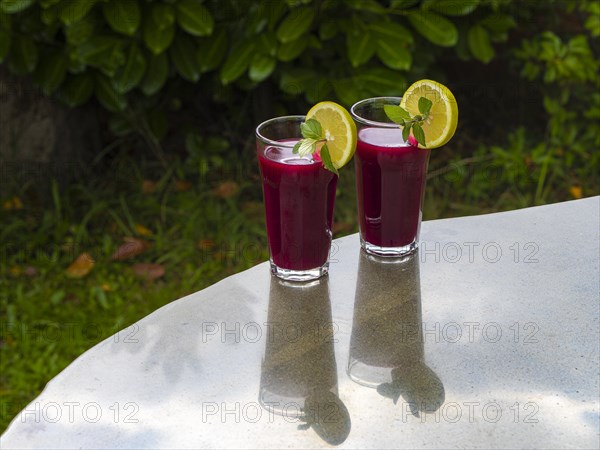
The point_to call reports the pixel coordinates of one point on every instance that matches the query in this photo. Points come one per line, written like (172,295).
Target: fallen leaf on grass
(132,247)
(226,189)
(206,244)
(12,204)
(149,187)
(182,185)
(142,230)
(576,192)
(148,271)
(82,265)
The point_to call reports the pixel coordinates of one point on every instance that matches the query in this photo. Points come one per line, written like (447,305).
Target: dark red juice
(299,196)
(390,180)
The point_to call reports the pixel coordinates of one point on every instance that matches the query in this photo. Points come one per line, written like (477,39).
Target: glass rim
(268,141)
(375,123)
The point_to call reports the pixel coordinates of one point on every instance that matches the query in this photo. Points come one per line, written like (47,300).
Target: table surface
(488,338)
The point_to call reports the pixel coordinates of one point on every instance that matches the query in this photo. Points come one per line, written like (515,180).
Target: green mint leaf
(396,114)
(307,147)
(326,158)
(425,105)
(419,134)
(311,129)
(296,148)
(406,132)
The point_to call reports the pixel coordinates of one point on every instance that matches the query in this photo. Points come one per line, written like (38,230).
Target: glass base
(282,405)
(389,252)
(369,376)
(299,275)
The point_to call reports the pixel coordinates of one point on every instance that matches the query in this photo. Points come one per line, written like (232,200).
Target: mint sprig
(312,132)
(402,117)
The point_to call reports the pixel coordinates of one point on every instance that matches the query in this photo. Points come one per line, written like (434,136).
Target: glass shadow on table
(299,372)
(387,346)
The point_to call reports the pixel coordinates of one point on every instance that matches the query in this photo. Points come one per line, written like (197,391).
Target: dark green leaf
(181,53)
(327,30)
(479,43)
(296,148)
(80,31)
(391,32)
(77,90)
(122,15)
(267,43)
(295,81)
(592,23)
(296,23)
(498,23)
(261,67)
(292,49)
(311,129)
(5,39)
(403,4)
(50,16)
(75,10)
(275,12)
(194,18)
(406,133)
(256,19)
(319,90)
(237,62)
(15,6)
(359,47)
(367,5)
(132,72)
(120,125)
(156,75)
(163,15)
(51,71)
(326,158)
(103,52)
(451,7)
(418,134)
(425,105)
(396,114)
(434,27)
(48,3)
(392,55)
(211,51)
(23,55)
(157,39)
(348,91)
(380,81)
(108,96)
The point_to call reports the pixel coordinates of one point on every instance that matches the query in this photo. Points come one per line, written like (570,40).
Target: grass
(203,219)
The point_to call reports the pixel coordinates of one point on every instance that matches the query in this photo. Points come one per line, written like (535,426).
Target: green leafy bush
(198,68)
(560,160)
(125,52)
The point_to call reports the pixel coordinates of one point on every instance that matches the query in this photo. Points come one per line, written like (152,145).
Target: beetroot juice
(390,180)
(299,195)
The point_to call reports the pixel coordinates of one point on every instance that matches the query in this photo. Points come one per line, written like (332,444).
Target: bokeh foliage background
(180,85)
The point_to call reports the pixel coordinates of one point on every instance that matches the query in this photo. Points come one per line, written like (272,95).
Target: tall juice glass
(390,181)
(299,196)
